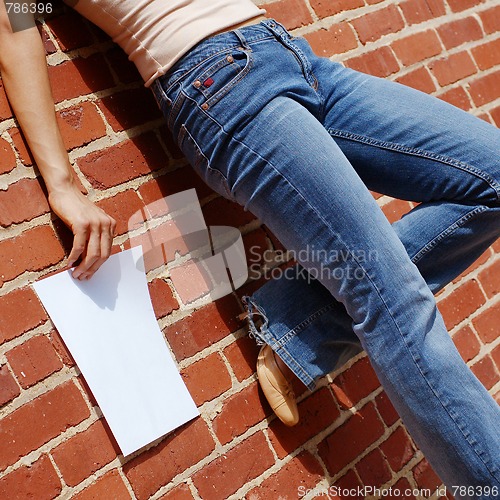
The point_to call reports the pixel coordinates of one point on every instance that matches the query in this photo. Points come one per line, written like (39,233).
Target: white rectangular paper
(110,328)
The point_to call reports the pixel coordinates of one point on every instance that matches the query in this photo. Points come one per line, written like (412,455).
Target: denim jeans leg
(273,155)
(433,153)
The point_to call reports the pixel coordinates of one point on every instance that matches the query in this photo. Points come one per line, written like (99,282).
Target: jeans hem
(262,335)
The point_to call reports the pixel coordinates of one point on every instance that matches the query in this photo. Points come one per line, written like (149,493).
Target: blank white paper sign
(109,326)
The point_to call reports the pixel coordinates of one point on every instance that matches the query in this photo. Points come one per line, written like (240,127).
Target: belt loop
(242,39)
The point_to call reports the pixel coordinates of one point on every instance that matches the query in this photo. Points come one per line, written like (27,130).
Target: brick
(379,62)
(486,372)
(201,387)
(33,250)
(110,486)
(13,324)
(337,39)
(191,281)
(124,161)
(495,355)
(38,480)
(425,477)
(417,47)
(395,209)
(130,108)
(325,8)
(354,384)
(460,31)
(222,212)
(490,279)
(419,79)
(80,125)
(459,5)
(491,19)
(403,485)
(205,326)
(374,25)
(373,469)
(240,412)
(316,412)
(495,114)
(86,389)
(485,117)
(181,492)
(291,13)
(53,412)
(5,111)
(85,453)
(70,31)
(467,343)
(398,449)
(242,356)
(349,480)
(125,69)
(346,442)
(486,324)
(21,146)
(79,77)
(256,245)
(157,466)
(33,360)
(22,201)
(458,97)
(229,472)
(174,182)
(162,298)
(8,387)
(160,245)
(61,349)
(298,475)
(485,89)
(461,303)
(48,44)
(387,411)
(7,156)
(122,206)
(418,11)
(487,55)
(453,68)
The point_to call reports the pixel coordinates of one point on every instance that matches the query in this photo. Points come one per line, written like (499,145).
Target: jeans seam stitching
(230,85)
(447,232)
(293,332)
(421,153)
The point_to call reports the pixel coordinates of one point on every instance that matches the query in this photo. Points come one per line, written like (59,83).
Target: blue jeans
(298,140)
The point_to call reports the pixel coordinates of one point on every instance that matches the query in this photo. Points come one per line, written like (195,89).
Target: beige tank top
(156,33)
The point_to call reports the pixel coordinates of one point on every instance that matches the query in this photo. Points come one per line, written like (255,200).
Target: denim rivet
(230,59)
(204,106)
(197,84)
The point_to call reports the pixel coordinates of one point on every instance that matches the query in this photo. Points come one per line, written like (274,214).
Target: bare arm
(25,77)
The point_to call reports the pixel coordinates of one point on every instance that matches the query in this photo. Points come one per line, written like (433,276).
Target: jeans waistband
(241,37)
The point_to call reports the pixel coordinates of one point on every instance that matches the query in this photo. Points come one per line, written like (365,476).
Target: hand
(92,228)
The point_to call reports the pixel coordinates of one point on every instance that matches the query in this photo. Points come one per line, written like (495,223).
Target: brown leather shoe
(276,387)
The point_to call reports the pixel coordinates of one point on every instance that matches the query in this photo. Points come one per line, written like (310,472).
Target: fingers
(97,242)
